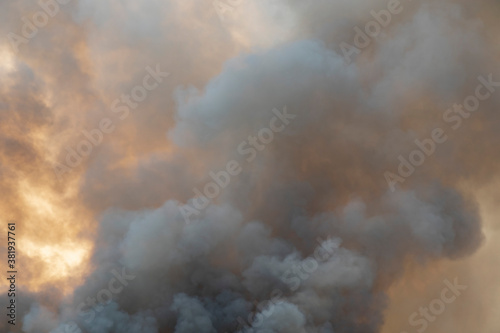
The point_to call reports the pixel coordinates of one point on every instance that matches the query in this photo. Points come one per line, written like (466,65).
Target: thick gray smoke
(307,235)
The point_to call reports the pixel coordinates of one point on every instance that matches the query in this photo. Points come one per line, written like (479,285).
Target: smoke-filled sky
(274,166)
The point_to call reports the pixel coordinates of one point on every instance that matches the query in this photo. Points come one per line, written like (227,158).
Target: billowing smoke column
(261,187)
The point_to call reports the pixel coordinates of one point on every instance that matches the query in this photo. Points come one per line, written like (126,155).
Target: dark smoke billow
(235,266)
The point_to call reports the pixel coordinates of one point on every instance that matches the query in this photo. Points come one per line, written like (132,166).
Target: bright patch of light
(62,258)
(7,60)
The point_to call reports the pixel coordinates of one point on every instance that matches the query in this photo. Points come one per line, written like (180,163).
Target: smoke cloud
(310,235)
